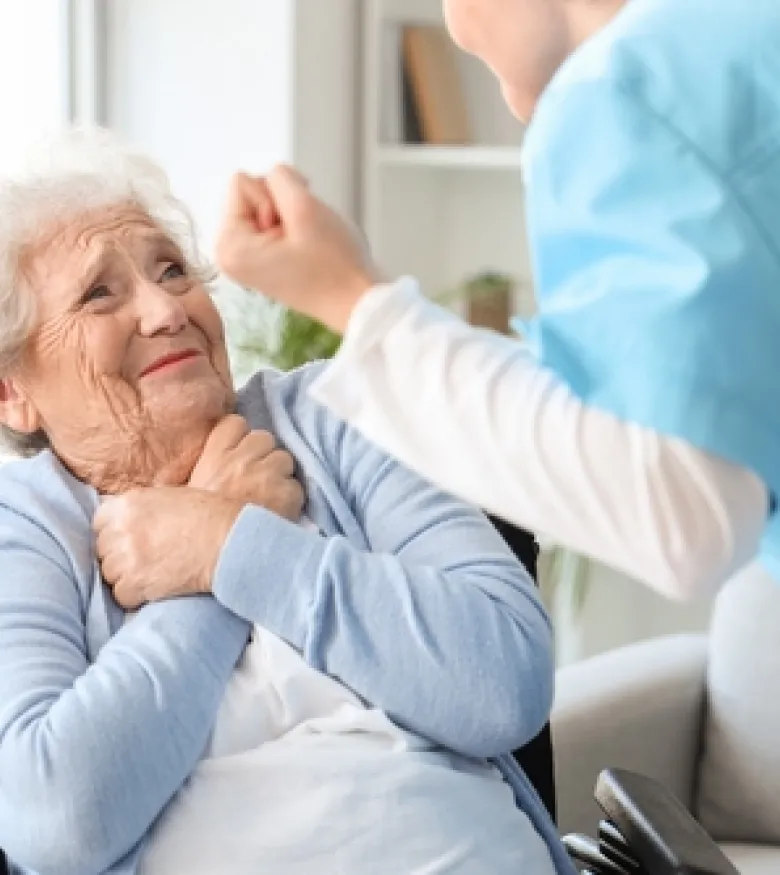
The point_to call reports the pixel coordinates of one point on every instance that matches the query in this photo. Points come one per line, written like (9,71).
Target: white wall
(33,89)
(326,85)
(210,87)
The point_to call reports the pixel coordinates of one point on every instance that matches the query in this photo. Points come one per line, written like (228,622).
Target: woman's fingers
(227,434)
(282,462)
(258,444)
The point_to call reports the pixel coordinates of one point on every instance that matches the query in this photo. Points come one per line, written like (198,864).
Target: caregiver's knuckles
(313,261)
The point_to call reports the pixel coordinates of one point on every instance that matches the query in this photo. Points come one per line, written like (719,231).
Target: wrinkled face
(522,41)
(128,361)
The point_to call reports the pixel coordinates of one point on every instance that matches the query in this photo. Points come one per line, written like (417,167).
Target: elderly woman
(195,676)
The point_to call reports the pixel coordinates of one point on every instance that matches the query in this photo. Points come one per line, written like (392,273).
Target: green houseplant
(262,333)
(302,340)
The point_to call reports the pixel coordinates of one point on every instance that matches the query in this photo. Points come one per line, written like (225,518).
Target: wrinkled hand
(247,466)
(279,238)
(161,542)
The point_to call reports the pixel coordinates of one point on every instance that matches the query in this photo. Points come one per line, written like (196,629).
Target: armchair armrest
(639,708)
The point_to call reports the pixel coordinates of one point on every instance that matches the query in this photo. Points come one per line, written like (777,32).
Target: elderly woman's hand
(279,238)
(247,465)
(163,541)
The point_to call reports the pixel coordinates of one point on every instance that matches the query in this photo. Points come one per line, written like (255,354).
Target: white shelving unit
(442,213)
(450,157)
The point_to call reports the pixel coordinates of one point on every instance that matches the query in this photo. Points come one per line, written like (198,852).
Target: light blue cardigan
(412,601)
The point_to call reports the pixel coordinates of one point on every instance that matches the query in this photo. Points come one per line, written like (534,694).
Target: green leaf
(303,340)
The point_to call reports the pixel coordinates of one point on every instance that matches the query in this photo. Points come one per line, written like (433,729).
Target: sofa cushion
(739,780)
(754,859)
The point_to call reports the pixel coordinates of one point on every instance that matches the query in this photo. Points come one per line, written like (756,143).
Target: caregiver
(640,421)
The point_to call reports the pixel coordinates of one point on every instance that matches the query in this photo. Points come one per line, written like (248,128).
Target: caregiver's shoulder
(39,490)
(701,66)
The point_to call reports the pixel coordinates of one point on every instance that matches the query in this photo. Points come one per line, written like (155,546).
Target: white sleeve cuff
(340,386)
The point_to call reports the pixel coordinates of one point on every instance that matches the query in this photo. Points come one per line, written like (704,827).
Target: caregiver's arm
(656,271)
(439,625)
(90,754)
(474,412)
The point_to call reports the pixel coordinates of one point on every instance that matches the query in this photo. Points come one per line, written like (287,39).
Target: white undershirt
(301,777)
(476,414)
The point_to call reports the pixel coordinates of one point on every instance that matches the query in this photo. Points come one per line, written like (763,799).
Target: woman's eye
(172,272)
(96,293)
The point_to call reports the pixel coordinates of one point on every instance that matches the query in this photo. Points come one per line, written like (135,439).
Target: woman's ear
(16,409)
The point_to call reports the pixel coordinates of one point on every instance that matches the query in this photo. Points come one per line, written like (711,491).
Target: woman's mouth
(170,360)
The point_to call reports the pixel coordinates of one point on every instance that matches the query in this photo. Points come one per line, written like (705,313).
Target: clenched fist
(278,238)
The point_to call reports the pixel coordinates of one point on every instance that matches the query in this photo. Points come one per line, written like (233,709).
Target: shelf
(464,157)
(441,213)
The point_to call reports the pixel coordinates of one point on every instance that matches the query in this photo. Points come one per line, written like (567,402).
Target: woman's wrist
(225,512)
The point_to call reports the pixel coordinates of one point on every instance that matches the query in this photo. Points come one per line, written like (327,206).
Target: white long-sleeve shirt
(299,774)
(474,413)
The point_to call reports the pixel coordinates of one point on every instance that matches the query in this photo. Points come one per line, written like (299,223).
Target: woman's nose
(159,312)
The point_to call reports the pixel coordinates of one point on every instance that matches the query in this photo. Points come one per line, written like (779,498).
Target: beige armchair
(701,714)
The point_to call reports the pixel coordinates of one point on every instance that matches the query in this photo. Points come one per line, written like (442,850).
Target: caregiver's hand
(161,541)
(278,238)
(246,465)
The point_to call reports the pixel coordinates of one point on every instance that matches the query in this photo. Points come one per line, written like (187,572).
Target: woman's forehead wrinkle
(107,230)
(96,242)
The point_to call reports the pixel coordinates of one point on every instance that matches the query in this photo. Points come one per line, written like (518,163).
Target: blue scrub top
(652,173)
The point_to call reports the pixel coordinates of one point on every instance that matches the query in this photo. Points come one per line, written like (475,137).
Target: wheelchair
(645,830)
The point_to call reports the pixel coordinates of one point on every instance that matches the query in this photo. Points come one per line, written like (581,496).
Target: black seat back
(536,757)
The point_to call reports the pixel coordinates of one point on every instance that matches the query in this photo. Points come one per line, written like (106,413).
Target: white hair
(63,178)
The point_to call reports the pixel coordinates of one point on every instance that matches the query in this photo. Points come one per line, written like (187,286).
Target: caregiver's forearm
(475,413)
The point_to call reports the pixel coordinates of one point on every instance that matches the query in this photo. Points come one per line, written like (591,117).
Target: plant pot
(489,302)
